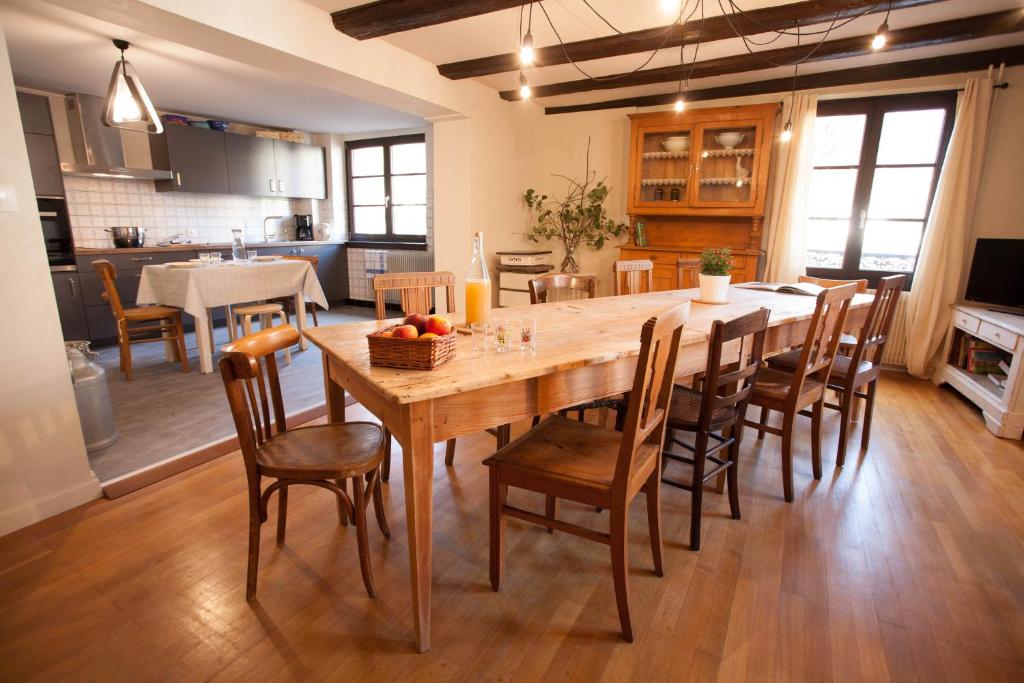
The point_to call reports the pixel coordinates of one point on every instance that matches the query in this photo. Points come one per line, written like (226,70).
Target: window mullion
(862,194)
(388,227)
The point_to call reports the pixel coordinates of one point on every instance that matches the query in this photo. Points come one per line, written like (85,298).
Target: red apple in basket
(439,325)
(405,332)
(418,321)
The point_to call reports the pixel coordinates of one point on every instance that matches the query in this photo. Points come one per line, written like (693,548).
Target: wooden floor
(906,565)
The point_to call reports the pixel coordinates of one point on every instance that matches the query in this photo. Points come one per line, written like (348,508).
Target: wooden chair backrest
(862,285)
(249,370)
(313,260)
(875,333)
(734,387)
(108,275)
(823,333)
(652,389)
(416,291)
(578,284)
(687,272)
(633,276)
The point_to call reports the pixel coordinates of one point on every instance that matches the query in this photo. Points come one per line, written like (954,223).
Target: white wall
(43,465)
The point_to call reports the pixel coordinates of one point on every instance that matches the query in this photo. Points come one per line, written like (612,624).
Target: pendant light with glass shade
(127,104)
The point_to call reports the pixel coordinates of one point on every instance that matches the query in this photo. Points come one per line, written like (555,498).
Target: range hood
(98,149)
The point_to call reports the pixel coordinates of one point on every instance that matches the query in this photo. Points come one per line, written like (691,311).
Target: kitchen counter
(195,246)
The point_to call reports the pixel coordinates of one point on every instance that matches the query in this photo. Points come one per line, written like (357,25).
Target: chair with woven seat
(792,392)
(862,368)
(325,455)
(596,466)
(633,276)
(847,341)
(718,407)
(131,322)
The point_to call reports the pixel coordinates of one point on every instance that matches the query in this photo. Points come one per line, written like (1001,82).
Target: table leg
(300,318)
(203,342)
(418,465)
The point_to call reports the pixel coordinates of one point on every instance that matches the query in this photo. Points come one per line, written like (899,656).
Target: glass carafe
(237,245)
(478,285)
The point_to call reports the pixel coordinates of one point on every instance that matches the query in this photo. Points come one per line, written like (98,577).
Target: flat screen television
(997,273)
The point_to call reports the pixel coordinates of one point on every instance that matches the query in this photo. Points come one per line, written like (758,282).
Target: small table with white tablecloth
(196,290)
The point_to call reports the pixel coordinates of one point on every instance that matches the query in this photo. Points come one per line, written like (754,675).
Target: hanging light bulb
(670,6)
(787,133)
(526,50)
(881,36)
(524,87)
(680,104)
(128,106)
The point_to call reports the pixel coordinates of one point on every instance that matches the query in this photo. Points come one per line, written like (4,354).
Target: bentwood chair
(325,456)
(687,273)
(718,407)
(561,458)
(136,325)
(634,276)
(862,368)
(792,392)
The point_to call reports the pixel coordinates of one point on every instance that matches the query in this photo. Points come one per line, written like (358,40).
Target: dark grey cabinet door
(42,158)
(300,170)
(35,113)
(251,166)
(196,156)
(70,306)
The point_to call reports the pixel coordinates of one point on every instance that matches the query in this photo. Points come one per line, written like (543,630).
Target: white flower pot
(714,288)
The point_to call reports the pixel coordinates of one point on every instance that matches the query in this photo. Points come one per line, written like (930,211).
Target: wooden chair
(584,286)
(416,295)
(265,313)
(718,407)
(131,322)
(847,341)
(792,392)
(687,273)
(561,458)
(288,302)
(325,455)
(634,276)
(860,369)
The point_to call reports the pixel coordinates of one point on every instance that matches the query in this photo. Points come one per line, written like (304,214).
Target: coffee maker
(304,227)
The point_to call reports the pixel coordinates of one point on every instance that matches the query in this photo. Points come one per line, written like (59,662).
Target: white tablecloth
(197,289)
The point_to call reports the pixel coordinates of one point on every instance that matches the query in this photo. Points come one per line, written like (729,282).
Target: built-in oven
(53,214)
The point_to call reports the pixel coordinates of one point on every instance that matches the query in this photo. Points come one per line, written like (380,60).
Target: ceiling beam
(926,35)
(935,66)
(806,13)
(380,18)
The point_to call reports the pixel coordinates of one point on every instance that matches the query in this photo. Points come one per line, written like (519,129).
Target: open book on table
(803,288)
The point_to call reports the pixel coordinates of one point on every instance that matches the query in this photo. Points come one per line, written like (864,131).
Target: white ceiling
(497,32)
(62,51)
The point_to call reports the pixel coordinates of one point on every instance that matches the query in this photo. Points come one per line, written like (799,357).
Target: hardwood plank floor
(906,565)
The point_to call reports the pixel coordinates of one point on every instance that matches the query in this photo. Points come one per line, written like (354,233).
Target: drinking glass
(204,258)
(479,336)
(216,257)
(251,254)
(528,335)
(504,330)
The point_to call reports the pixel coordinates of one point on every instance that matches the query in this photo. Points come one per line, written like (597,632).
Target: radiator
(402,262)
(896,347)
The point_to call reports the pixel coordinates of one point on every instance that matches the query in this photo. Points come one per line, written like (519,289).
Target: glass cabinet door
(664,168)
(726,164)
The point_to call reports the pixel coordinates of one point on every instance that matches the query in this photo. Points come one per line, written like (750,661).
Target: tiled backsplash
(98,203)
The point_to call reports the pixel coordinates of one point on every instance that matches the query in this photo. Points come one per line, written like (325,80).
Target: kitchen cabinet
(42,159)
(70,306)
(196,156)
(35,114)
(251,165)
(300,170)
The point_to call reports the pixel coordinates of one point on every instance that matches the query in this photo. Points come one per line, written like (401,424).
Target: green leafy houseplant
(578,218)
(716,261)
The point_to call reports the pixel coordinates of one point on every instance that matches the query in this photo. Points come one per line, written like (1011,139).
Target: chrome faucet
(269,218)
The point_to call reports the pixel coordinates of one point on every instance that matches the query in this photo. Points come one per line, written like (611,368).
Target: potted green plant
(715,265)
(578,218)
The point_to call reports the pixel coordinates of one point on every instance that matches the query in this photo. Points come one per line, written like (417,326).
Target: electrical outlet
(8,201)
(192,232)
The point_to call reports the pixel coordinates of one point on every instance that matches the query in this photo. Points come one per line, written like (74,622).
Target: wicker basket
(410,354)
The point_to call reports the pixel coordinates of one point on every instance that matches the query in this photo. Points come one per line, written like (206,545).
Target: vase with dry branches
(578,218)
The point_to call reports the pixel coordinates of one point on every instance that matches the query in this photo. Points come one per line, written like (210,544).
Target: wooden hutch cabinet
(699,179)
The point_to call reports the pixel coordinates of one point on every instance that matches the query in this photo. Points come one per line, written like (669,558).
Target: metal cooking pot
(127,236)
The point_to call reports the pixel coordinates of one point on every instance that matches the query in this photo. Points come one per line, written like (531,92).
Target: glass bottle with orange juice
(478,285)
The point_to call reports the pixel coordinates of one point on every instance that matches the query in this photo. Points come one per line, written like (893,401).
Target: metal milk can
(92,396)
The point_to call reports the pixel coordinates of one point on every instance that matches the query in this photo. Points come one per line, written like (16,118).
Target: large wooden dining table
(586,349)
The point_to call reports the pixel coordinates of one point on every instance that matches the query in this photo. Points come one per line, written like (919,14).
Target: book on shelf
(982,361)
(1004,367)
(997,379)
(802,288)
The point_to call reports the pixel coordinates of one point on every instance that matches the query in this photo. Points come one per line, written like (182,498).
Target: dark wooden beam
(804,13)
(375,19)
(941,33)
(935,66)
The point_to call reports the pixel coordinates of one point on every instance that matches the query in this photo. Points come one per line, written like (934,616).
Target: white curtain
(940,265)
(787,212)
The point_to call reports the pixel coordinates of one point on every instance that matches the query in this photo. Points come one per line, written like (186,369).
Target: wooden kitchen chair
(325,455)
(687,273)
(131,322)
(633,276)
(579,286)
(847,341)
(856,376)
(792,392)
(596,466)
(265,313)
(416,295)
(718,407)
